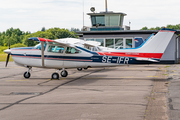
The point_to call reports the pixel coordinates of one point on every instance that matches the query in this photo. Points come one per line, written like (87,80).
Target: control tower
(106,21)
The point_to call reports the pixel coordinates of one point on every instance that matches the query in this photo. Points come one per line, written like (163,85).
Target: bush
(2,48)
(18,45)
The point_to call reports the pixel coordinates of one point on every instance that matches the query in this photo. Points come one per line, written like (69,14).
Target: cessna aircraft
(61,54)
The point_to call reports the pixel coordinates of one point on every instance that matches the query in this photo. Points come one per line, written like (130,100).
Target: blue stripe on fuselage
(95,58)
(23,48)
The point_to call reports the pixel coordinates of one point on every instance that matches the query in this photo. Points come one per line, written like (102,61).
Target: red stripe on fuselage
(131,54)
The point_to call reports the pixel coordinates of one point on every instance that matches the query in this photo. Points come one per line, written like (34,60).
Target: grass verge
(3,57)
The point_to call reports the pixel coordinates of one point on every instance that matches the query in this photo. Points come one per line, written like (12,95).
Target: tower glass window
(112,20)
(98,20)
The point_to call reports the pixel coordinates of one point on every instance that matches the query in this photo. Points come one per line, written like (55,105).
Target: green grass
(3,57)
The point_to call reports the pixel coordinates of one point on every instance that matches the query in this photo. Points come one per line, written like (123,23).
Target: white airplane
(63,54)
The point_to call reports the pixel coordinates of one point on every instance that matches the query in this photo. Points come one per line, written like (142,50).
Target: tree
(144,28)
(52,33)
(12,35)
(175,27)
(43,29)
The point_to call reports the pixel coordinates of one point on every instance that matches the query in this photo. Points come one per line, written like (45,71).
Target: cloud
(34,14)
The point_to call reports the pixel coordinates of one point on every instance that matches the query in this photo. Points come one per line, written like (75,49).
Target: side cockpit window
(70,50)
(56,49)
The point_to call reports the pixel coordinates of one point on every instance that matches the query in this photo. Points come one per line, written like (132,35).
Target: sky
(32,15)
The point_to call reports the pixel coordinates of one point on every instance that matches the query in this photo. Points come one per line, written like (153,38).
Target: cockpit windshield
(38,46)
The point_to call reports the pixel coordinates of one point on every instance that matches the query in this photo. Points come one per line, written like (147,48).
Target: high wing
(58,41)
(70,42)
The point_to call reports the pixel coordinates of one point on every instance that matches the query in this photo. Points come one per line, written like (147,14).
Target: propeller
(7,60)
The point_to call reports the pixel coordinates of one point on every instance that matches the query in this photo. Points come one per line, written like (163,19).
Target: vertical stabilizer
(159,42)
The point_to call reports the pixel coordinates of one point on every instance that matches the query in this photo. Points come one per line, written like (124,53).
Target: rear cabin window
(70,50)
(56,49)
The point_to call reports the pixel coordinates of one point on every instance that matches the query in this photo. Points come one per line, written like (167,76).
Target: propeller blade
(7,59)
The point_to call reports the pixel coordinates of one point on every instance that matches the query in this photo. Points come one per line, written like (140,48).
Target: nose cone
(7,51)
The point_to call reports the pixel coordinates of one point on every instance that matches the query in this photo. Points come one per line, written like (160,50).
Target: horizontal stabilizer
(146,59)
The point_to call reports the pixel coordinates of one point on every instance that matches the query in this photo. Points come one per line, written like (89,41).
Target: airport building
(107,28)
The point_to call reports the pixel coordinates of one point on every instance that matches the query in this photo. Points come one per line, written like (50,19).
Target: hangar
(107,28)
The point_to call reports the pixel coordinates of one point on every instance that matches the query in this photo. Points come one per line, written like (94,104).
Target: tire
(55,76)
(64,73)
(79,69)
(27,75)
(85,68)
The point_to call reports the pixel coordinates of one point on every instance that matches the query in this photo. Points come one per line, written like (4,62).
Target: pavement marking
(95,78)
(127,77)
(58,79)
(16,80)
(11,67)
(152,76)
(174,74)
(139,69)
(111,77)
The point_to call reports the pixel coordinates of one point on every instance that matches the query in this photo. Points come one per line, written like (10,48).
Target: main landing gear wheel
(79,69)
(55,76)
(27,75)
(85,68)
(64,73)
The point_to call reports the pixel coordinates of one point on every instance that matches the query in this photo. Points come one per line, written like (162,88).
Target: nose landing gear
(27,74)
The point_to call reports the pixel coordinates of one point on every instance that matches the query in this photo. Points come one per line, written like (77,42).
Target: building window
(110,43)
(129,43)
(101,40)
(91,39)
(119,43)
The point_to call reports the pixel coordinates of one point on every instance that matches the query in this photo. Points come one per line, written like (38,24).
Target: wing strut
(42,53)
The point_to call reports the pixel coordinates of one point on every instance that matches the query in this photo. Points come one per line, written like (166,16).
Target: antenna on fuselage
(106,9)
(83,15)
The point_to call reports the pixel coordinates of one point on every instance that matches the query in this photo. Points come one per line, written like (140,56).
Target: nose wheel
(27,74)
